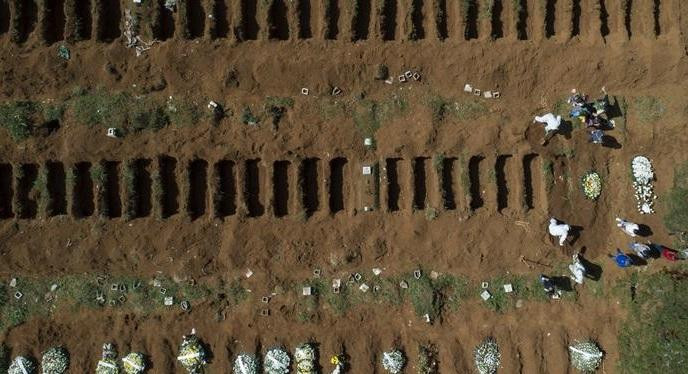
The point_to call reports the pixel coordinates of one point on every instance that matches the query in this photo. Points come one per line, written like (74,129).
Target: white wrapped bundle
(108,362)
(276,361)
(393,361)
(487,356)
(191,354)
(245,364)
(305,356)
(585,356)
(21,365)
(55,361)
(643,175)
(134,363)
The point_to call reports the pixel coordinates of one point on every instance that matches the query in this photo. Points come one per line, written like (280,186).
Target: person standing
(577,270)
(559,229)
(552,124)
(621,259)
(628,227)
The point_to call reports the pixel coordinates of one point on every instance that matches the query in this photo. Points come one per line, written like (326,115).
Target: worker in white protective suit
(551,123)
(628,227)
(577,270)
(559,229)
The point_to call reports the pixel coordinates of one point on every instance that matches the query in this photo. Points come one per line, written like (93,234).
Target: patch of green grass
(53,112)
(676,203)
(285,102)
(147,115)
(101,108)
(438,163)
(248,118)
(40,185)
(655,335)
(183,112)
(648,108)
(560,108)
(370,115)
(485,10)
(468,109)
(548,174)
(431,213)
(439,107)
(19,118)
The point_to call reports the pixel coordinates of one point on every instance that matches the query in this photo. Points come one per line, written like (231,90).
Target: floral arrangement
(643,175)
(276,361)
(393,361)
(305,356)
(245,364)
(192,356)
(108,363)
(134,363)
(487,356)
(21,365)
(427,359)
(585,356)
(55,361)
(592,185)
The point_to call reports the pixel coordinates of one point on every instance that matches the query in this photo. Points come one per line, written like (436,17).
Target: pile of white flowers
(108,363)
(592,185)
(55,361)
(191,354)
(393,361)
(642,184)
(305,356)
(22,365)
(487,356)
(276,361)
(134,363)
(245,364)
(585,356)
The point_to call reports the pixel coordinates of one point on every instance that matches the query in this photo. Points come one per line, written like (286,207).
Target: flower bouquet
(585,356)
(487,356)
(245,364)
(305,356)
(393,361)
(108,363)
(192,356)
(134,363)
(22,365)
(643,175)
(276,361)
(55,361)
(592,185)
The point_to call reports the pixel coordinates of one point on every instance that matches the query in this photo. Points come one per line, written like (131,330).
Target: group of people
(639,253)
(593,114)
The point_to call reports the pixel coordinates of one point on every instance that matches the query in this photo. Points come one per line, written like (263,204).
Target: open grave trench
(356,20)
(166,187)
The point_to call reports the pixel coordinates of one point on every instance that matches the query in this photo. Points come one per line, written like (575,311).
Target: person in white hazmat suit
(559,229)
(552,124)
(577,270)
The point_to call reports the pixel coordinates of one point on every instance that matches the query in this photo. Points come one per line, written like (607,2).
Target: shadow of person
(563,283)
(643,230)
(565,128)
(593,271)
(574,233)
(610,142)
(636,260)
(614,109)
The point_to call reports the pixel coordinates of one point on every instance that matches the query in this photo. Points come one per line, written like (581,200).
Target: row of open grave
(56,20)
(165,187)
